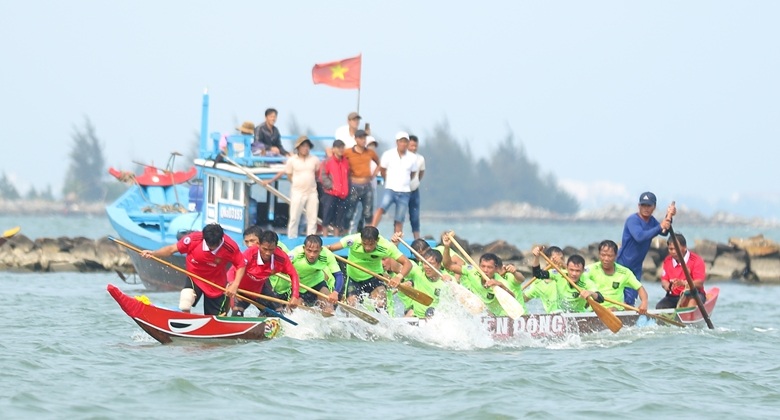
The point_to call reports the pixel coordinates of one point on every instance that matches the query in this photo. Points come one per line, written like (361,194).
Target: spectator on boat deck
(367,249)
(638,232)
(268,140)
(673,280)
(301,169)
(207,255)
(471,279)
(398,166)
(318,269)
(334,176)
(262,261)
(346,133)
(611,279)
(356,222)
(361,177)
(414,197)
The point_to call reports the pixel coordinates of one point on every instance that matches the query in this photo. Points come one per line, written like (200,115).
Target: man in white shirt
(346,133)
(397,166)
(414,198)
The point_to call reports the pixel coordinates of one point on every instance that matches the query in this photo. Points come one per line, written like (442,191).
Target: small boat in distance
(167,326)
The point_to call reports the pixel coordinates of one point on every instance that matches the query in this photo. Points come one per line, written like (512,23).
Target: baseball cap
(353,115)
(401,135)
(647,198)
(360,133)
(338,143)
(371,139)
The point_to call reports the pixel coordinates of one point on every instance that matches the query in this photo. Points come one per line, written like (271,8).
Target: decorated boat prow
(167,326)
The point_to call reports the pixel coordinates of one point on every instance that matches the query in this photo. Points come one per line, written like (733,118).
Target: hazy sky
(612,97)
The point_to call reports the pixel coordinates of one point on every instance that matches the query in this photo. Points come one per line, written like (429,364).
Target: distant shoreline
(503,211)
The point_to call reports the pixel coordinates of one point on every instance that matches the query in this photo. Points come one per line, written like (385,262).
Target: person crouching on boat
(208,254)
(367,249)
(472,279)
(319,270)
(673,279)
(262,261)
(562,296)
(611,278)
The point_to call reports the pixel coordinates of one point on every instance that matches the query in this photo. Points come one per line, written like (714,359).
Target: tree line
(455,180)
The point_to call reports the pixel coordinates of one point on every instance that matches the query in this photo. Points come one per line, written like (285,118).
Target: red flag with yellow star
(344,74)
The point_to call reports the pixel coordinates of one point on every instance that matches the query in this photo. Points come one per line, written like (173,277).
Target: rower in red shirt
(262,261)
(673,279)
(208,254)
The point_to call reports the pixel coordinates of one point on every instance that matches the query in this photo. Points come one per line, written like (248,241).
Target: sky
(611,97)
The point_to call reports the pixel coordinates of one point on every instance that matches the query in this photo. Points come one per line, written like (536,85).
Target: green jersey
(612,286)
(422,283)
(545,290)
(312,274)
(569,295)
(508,279)
(370,260)
(472,280)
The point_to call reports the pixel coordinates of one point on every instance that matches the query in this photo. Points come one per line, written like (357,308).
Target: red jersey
(211,265)
(258,271)
(338,169)
(673,270)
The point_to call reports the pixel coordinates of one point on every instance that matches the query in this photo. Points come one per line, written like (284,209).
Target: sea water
(68,351)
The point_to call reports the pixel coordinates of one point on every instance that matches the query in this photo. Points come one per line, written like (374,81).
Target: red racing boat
(166,326)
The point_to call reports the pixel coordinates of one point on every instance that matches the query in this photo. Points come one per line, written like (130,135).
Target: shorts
(211,306)
(401,201)
(310,298)
(365,287)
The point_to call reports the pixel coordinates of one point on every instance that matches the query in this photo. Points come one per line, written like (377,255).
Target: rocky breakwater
(754,259)
(21,254)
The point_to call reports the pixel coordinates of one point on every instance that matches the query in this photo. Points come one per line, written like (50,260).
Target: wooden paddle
(351,309)
(511,306)
(605,315)
(632,308)
(404,288)
(260,182)
(465,296)
(691,286)
(195,276)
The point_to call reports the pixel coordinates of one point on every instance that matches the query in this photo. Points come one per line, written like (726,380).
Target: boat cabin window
(212,198)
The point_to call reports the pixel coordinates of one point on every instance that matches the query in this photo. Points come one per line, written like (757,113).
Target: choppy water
(68,351)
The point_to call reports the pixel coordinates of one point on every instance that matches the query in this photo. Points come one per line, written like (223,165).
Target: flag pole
(358,102)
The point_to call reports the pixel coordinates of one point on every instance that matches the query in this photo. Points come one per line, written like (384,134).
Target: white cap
(371,139)
(401,135)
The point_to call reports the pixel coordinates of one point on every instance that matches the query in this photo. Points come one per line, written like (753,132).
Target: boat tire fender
(186,299)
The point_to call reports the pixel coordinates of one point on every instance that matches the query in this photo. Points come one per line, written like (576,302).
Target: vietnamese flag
(344,74)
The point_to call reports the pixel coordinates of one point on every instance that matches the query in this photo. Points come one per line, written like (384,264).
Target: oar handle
(421,258)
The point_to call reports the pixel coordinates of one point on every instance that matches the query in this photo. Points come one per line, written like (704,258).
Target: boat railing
(238,147)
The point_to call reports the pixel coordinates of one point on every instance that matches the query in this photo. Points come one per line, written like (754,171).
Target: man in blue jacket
(638,232)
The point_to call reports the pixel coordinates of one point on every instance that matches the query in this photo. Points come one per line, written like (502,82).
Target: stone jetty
(755,259)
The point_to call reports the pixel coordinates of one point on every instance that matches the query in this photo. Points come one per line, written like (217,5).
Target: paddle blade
(511,306)
(469,300)
(358,313)
(606,316)
(415,294)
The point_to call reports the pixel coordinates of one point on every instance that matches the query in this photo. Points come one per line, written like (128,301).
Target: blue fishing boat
(224,187)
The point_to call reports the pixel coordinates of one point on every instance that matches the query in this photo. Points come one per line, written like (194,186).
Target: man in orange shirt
(360,178)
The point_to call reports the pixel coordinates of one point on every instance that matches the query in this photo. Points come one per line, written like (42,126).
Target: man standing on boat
(263,261)
(398,166)
(208,254)
(301,169)
(673,279)
(347,133)
(334,176)
(414,197)
(611,279)
(638,232)
(361,189)
(367,249)
(268,140)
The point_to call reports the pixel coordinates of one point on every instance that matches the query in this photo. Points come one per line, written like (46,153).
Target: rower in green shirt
(569,298)
(472,279)
(546,290)
(318,269)
(367,249)
(611,278)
